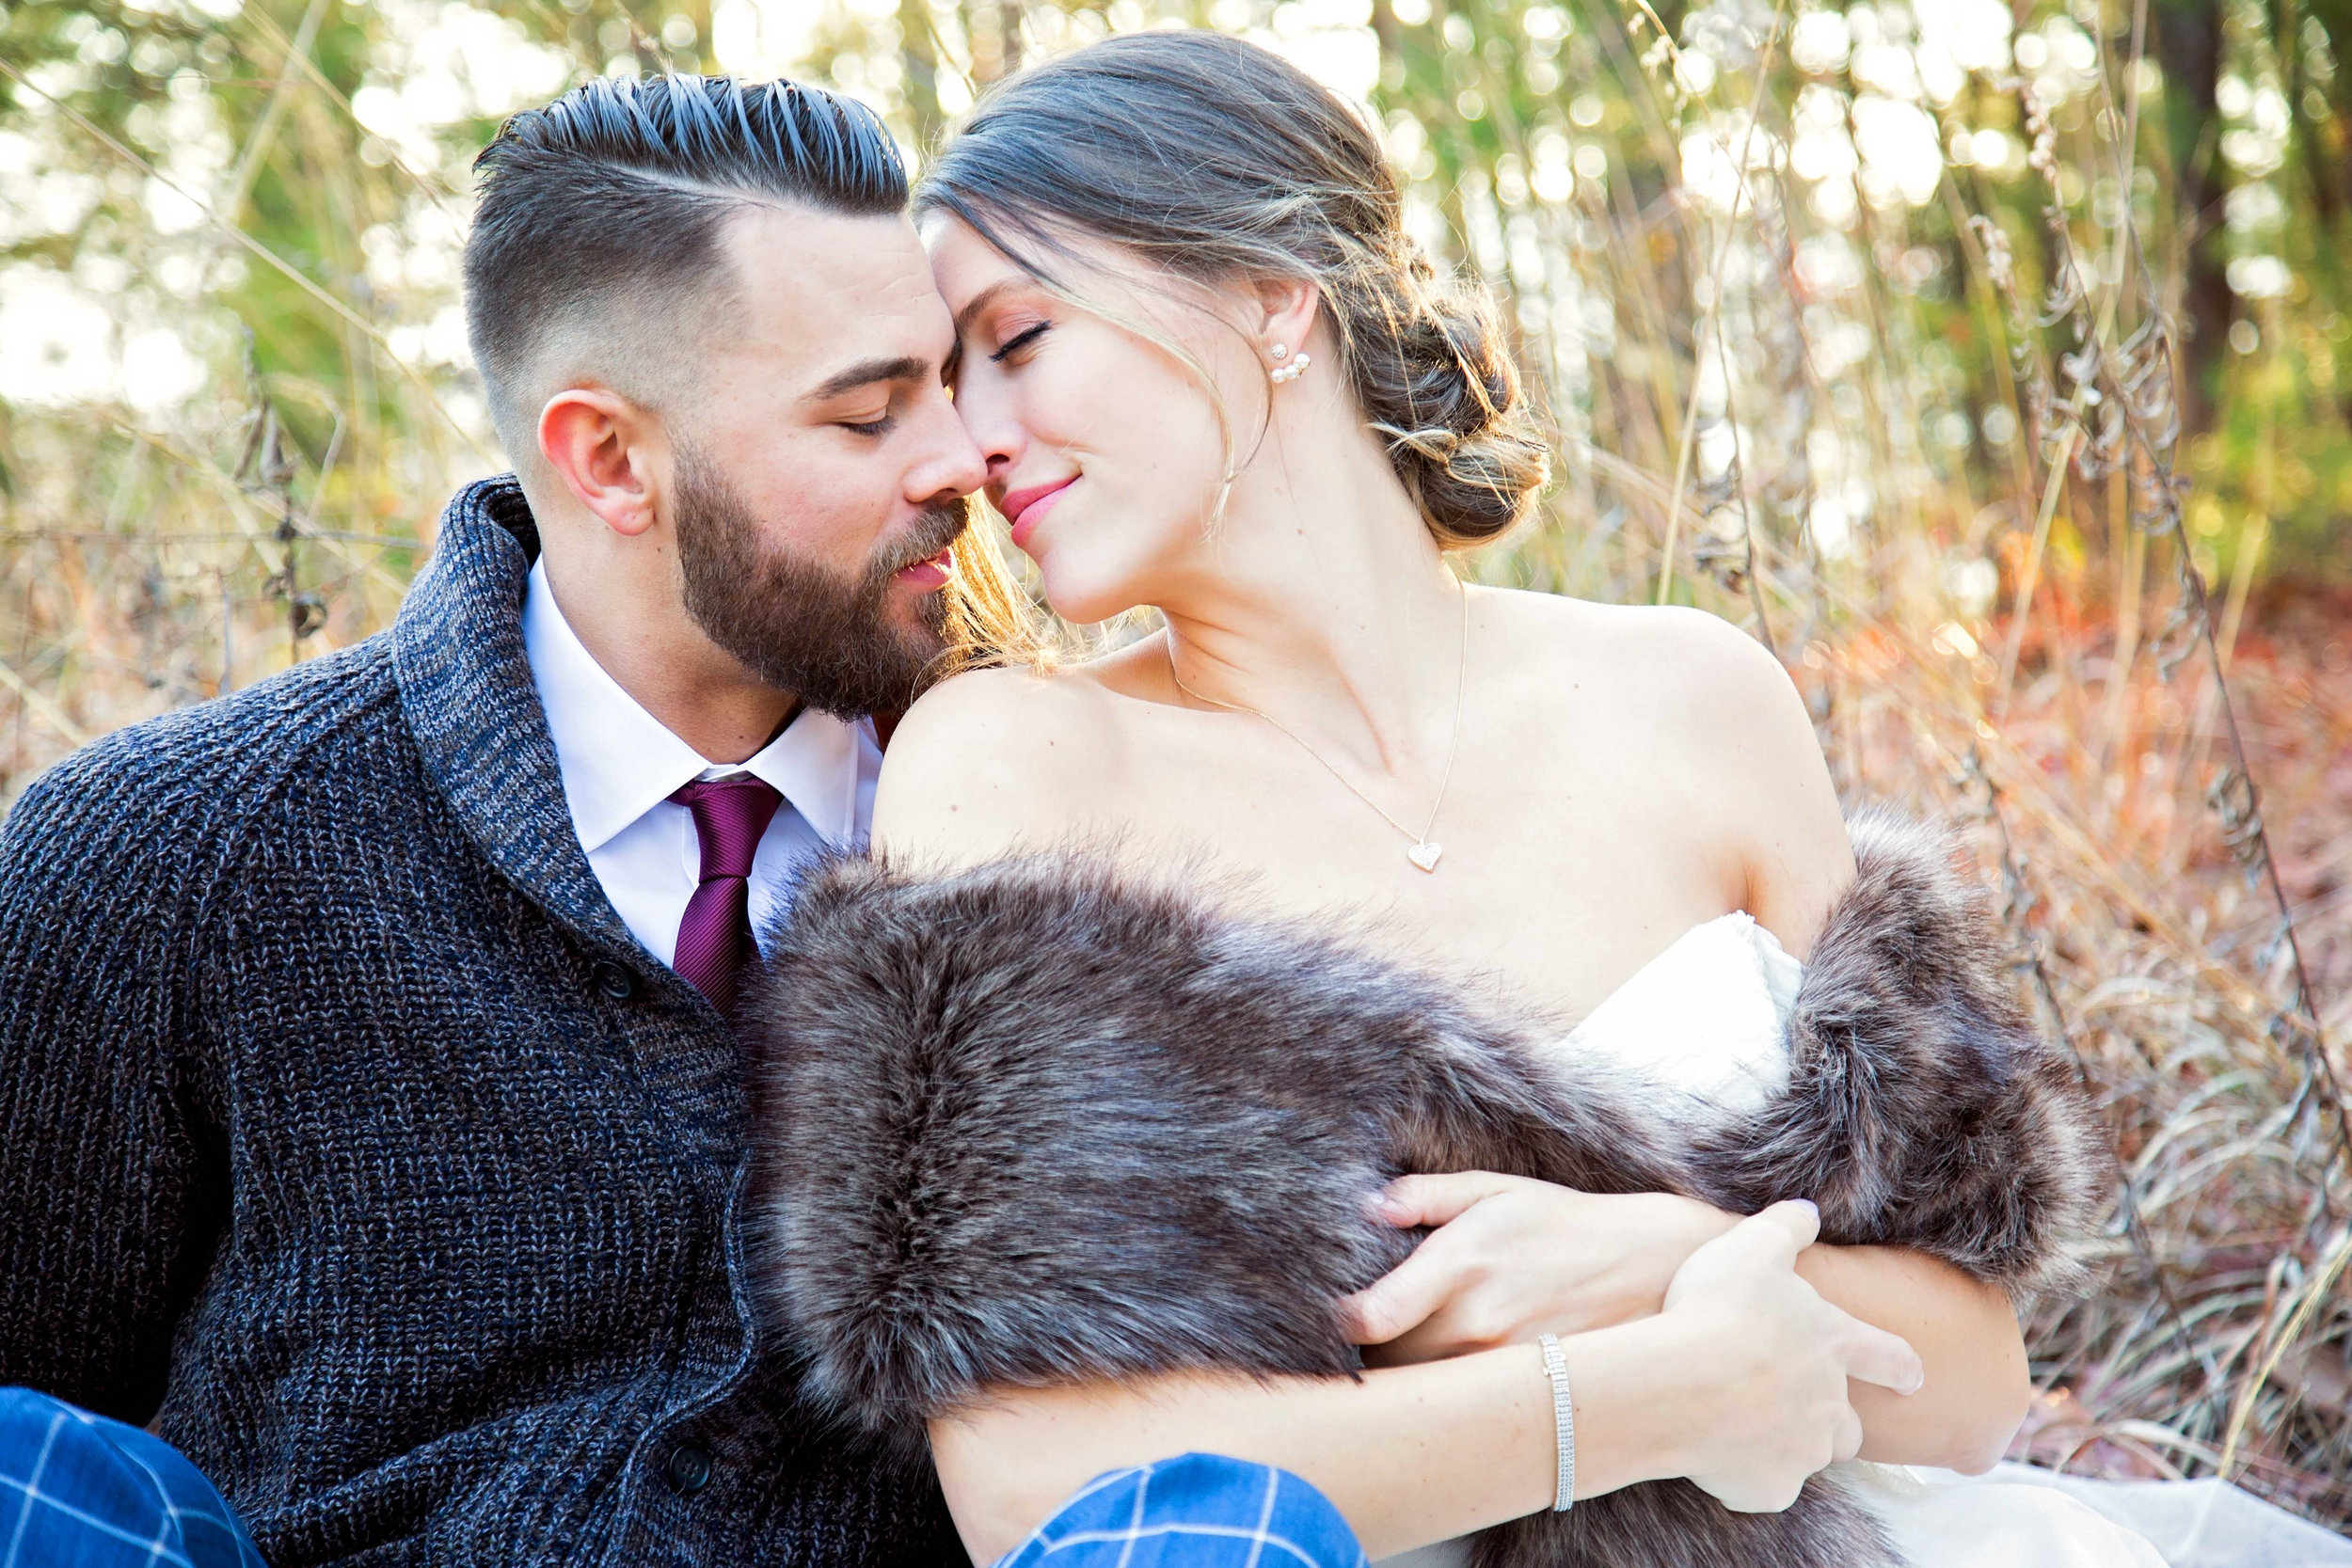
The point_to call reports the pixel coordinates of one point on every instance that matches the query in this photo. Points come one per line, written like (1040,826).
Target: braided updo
(1217,159)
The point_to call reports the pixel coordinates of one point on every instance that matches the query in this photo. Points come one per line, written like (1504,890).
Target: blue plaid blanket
(79,1491)
(1199,1511)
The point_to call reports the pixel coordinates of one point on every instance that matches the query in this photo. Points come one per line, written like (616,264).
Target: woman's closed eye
(1020,341)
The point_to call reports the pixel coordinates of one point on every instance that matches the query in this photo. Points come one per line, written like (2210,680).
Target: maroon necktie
(714,941)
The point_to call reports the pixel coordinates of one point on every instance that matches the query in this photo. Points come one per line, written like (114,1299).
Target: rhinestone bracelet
(1563,1420)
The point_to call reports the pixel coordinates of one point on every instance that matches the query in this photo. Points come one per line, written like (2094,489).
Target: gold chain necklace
(1422,853)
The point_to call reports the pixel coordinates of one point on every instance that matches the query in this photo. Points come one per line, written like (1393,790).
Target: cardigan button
(614,979)
(688,1470)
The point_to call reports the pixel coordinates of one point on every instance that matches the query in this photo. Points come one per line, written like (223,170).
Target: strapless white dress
(1700,1032)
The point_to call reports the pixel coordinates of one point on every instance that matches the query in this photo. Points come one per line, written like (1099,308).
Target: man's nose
(989,424)
(953,464)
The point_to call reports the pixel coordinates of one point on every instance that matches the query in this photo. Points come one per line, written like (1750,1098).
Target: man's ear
(1289,306)
(601,445)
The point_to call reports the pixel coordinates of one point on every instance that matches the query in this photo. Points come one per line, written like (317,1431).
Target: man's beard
(799,625)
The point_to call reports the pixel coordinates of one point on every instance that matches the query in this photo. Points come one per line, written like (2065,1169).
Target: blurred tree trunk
(2327,141)
(2318,138)
(918,57)
(2327,150)
(2188,45)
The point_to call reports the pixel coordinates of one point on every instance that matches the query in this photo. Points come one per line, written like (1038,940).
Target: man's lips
(1022,508)
(928,575)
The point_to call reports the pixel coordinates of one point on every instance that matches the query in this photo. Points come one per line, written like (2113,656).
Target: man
(368,1118)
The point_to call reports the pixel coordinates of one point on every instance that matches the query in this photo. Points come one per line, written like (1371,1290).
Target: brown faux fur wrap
(1035,1123)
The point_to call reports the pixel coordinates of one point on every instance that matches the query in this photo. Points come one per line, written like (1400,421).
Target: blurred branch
(1714,303)
(36,699)
(268,544)
(300,58)
(264,133)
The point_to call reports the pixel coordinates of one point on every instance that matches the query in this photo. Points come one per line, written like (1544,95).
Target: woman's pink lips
(927,575)
(1023,508)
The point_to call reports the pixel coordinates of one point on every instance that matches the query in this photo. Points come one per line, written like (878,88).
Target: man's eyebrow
(906,367)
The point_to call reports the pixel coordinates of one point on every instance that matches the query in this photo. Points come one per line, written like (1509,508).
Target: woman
(1215,378)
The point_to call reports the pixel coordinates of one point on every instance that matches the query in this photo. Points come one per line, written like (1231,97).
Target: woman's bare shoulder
(1709,722)
(1686,697)
(993,761)
(986,697)
(1640,655)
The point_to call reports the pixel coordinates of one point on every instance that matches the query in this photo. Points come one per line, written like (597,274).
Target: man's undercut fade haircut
(604,210)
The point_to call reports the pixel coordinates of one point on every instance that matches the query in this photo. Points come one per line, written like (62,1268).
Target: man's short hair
(601,213)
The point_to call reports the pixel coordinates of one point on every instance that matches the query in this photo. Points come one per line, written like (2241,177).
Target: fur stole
(1033,1123)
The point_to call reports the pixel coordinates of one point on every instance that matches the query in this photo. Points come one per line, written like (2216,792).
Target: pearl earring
(1292,371)
(1281,351)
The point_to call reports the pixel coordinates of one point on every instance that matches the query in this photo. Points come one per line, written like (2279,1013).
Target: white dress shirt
(620,765)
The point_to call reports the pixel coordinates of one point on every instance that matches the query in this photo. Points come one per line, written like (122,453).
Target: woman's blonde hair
(990,620)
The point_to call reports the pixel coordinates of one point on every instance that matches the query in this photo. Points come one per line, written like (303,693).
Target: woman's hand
(1761,1361)
(1509,1259)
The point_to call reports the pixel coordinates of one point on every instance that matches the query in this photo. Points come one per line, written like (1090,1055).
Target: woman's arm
(1740,1385)
(1409,1454)
(1510,1259)
(1797,860)
(1977,1384)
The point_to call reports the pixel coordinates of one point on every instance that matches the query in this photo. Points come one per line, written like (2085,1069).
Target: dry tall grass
(2166,799)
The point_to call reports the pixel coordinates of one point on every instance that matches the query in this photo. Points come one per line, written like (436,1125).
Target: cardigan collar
(467,693)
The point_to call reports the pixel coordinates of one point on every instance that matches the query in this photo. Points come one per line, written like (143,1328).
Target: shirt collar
(619,762)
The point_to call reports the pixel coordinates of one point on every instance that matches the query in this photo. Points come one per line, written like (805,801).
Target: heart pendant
(1425,855)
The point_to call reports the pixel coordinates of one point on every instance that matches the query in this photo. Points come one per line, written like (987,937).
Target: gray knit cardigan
(346,1131)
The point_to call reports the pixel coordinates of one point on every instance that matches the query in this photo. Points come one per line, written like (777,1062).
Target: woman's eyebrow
(981,302)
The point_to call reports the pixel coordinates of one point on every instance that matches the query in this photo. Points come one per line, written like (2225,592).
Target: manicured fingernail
(1808,1203)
